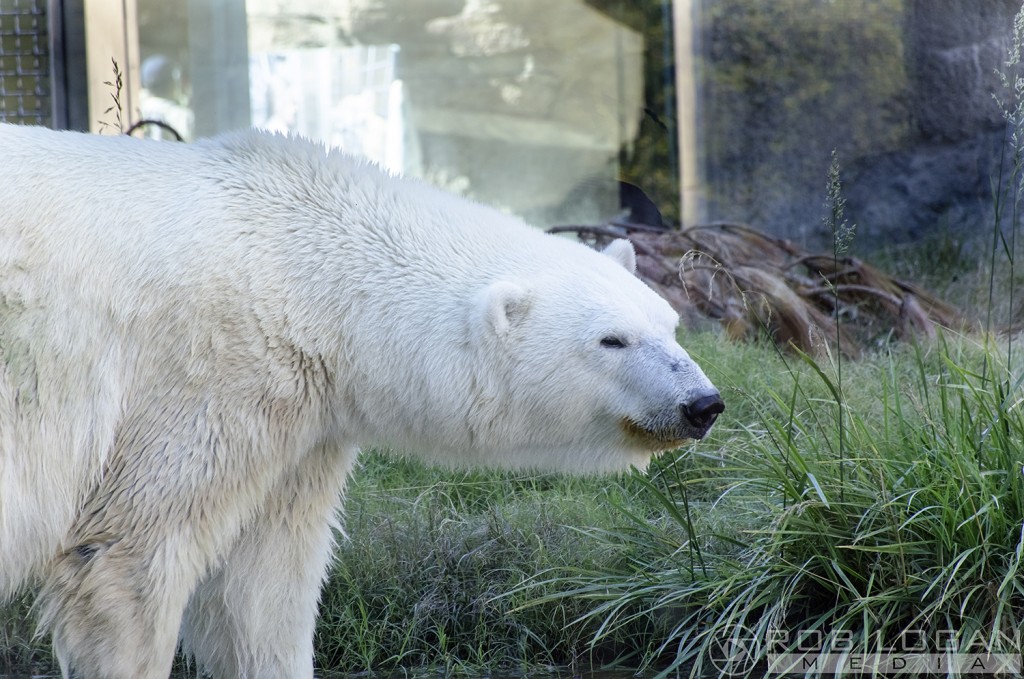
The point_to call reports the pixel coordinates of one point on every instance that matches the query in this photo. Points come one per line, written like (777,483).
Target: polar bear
(195,341)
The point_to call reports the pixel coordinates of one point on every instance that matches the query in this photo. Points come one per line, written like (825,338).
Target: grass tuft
(916,530)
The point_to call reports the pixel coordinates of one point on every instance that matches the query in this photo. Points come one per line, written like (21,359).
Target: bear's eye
(613,342)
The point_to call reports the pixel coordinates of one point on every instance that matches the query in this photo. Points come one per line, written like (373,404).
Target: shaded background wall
(902,89)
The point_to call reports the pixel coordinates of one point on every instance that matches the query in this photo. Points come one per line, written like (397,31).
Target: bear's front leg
(255,616)
(113,613)
(169,507)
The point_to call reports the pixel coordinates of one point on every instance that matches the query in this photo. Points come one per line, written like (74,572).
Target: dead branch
(754,284)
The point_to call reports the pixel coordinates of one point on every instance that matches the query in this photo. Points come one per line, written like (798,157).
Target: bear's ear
(501,305)
(621,250)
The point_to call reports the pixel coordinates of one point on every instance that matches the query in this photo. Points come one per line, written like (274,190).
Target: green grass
(423,578)
(918,527)
(19,651)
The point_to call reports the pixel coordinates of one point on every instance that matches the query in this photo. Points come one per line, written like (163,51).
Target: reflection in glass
(530,105)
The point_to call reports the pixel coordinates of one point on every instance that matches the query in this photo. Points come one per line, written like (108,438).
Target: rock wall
(941,182)
(953,49)
(902,89)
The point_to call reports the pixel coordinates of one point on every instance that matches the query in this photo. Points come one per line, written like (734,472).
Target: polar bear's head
(583,370)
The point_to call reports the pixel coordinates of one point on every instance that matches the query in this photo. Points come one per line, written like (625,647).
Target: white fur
(195,340)
(621,250)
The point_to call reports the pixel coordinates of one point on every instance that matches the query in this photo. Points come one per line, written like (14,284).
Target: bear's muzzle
(669,430)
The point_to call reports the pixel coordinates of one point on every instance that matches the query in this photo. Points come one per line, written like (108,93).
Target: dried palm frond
(755,284)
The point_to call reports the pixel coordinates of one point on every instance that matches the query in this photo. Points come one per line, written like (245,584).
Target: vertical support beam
(690,180)
(58,64)
(111,33)
(70,75)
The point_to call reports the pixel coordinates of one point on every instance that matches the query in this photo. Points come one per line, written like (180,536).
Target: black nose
(702,412)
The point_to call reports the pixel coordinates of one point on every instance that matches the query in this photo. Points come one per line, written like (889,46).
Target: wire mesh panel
(25,90)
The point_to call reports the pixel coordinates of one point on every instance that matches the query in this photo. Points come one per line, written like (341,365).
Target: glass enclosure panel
(585,111)
(541,108)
